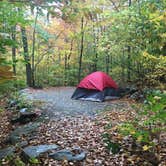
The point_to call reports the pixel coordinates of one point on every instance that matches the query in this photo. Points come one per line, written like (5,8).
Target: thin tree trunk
(95,40)
(129,55)
(26,56)
(111,62)
(107,63)
(129,3)
(48,17)
(70,53)
(122,66)
(48,71)
(81,50)
(14,50)
(129,63)
(65,69)
(33,51)
(164,49)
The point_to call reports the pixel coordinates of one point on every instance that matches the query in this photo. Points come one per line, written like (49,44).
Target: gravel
(58,102)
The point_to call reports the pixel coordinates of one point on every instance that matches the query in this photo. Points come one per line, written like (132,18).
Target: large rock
(35,151)
(68,155)
(24,117)
(6,152)
(25,130)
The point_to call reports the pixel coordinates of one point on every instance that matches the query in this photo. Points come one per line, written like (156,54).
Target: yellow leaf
(157,97)
(145,147)
(132,132)
(139,138)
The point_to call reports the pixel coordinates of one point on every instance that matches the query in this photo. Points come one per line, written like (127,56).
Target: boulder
(25,130)
(68,155)
(6,152)
(35,151)
(24,117)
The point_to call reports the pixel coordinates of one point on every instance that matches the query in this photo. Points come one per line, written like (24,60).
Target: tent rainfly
(97,86)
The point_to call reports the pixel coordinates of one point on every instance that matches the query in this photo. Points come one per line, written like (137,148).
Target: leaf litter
(86,132)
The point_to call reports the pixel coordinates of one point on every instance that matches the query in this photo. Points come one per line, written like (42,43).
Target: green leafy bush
(150,121)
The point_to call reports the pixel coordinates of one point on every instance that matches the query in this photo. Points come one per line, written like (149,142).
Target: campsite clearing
(57,102)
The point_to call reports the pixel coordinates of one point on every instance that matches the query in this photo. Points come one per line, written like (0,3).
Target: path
(58,102)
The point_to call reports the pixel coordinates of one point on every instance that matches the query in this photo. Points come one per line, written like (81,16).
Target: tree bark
(122,65)
(129,63)
(33,51)
(26,56)
(65,80)
(129,3)
(70,53)
(14,49)
(129,56)
(95,40)
(81,50)
(107,63)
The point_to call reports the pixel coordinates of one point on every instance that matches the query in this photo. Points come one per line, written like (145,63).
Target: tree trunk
(81,50)
(129,63)
(122,66)
(129,56)
(33,51)
(14,50)
(129,3)
(95,41)
(70,53)
(107,63)
(65,80)
(26,56)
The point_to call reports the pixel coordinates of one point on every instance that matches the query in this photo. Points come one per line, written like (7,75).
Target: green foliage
(9,17)
(19,162)
(21,100)
(150,121)
(12,160)
(9,87)
(34,161)
(142,28)
(108,35)
(111,146)
(156,68)
(5,71)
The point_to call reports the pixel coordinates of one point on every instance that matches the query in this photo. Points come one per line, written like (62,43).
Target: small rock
(68,155)
(6,152)
(13,103)
(138,96)
(35,151)
(23,110)
(22,144)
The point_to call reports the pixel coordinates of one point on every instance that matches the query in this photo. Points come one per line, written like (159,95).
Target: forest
(47,47)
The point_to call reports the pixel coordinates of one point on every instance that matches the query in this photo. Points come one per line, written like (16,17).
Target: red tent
(97,81)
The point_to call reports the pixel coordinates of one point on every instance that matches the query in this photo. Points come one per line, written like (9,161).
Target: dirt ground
(58,102)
